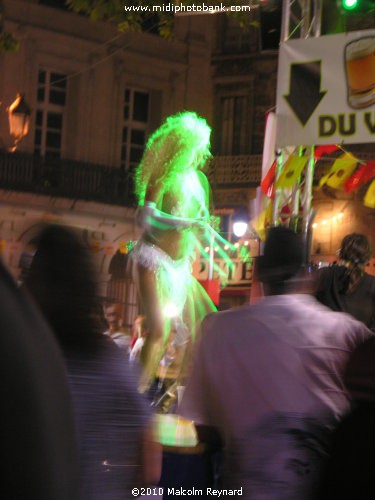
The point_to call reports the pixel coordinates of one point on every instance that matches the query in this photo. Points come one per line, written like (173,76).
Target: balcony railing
(85,181)
(227,170)
(72,179)
(66,178)
(247,170)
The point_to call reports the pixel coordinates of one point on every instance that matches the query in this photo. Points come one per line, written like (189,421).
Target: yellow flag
(340,171)
(291,171)
(261,222)
(369,199)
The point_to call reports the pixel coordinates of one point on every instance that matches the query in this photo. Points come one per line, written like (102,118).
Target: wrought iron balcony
(85,181)
(66,178)
(226,171)
(246,170)
(79,180)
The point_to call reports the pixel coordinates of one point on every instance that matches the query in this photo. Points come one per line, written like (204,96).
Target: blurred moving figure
(347,287)
(173,196)
(112,419)
(268,378)
(37,436)
(119,334)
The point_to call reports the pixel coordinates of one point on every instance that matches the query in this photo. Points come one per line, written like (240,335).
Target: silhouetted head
(355,252)
(62,281)
(355,249)
(282,260)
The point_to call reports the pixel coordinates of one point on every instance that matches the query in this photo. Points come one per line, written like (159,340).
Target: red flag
(326,149)
(362,175)
(285,212)
(267,183)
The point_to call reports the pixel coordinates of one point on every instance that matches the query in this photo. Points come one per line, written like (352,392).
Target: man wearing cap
(268,380)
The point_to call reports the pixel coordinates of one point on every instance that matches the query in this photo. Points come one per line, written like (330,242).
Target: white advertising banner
(326,90)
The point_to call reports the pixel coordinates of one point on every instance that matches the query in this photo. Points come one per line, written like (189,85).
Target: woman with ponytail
(347,287)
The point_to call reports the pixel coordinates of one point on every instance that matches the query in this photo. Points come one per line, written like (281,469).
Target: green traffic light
(350,4)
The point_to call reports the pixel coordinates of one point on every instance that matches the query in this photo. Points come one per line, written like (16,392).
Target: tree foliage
(7,41)
(134,14)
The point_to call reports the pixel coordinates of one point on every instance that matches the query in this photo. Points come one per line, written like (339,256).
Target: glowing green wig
(181,143)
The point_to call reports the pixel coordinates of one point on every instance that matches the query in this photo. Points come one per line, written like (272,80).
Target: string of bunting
(123,247)
(347,173)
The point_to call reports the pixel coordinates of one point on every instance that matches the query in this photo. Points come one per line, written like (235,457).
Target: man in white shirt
(268,379)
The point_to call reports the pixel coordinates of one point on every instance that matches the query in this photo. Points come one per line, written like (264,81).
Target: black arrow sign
(304,94)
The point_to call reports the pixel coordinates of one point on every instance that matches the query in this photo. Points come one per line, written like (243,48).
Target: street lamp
(239,228)
(19,120)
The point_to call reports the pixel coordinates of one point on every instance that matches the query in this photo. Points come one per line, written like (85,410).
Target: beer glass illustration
(360,72)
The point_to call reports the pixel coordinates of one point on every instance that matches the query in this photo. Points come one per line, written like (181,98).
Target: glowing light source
(239,228)
(236,245)
(19,119)
(170,310)
(207,249)
(334,218)
(350,4)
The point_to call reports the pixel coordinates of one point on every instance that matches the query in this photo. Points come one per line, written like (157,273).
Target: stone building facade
(96,94)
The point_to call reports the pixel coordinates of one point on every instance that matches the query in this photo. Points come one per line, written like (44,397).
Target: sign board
(326,90)
(241,274)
